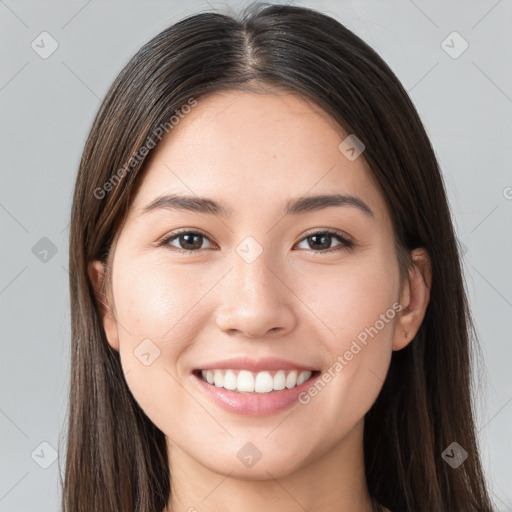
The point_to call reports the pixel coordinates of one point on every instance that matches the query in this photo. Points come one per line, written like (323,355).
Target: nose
(256,300)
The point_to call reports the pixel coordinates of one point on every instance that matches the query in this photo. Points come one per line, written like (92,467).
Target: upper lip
(255,365)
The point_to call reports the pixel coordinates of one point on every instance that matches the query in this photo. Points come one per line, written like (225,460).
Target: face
(255,289)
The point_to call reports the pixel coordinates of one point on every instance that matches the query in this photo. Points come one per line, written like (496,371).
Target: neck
(333,482)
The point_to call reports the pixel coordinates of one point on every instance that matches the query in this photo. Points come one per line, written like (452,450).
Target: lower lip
(254,404)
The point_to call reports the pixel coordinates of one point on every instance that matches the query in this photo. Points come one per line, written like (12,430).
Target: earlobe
(414,300)
(97,276)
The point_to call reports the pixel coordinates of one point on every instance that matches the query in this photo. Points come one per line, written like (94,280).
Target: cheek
(158,316)
(358,306)
(351,297)
(159,301)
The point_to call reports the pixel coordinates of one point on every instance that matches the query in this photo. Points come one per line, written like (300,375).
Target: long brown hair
(116,458)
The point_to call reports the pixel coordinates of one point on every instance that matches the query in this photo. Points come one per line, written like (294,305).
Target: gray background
(47,106)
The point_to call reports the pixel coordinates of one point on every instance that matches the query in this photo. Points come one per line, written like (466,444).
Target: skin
(255,152)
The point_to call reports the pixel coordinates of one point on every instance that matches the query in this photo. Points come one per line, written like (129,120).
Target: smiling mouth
(245,381)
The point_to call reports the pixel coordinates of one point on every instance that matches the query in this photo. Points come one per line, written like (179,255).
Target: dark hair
(116,457)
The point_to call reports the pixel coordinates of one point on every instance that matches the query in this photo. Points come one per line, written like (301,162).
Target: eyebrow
(293,207)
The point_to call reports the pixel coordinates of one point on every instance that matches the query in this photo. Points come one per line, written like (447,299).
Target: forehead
(257,148)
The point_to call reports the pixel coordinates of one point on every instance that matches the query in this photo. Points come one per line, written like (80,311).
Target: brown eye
(187,241)
(321,241)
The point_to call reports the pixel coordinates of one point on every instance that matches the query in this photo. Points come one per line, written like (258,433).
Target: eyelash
(345,244)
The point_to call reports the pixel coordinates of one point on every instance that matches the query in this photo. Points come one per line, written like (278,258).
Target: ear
(414,299)
(97,276)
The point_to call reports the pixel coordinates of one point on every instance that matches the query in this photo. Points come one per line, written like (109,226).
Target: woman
(268,311)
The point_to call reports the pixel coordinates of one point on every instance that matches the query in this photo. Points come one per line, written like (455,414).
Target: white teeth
(218,378)
(303,376)
(279,380)
(264,383)
(245,381)
(291,379)
(230,380)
